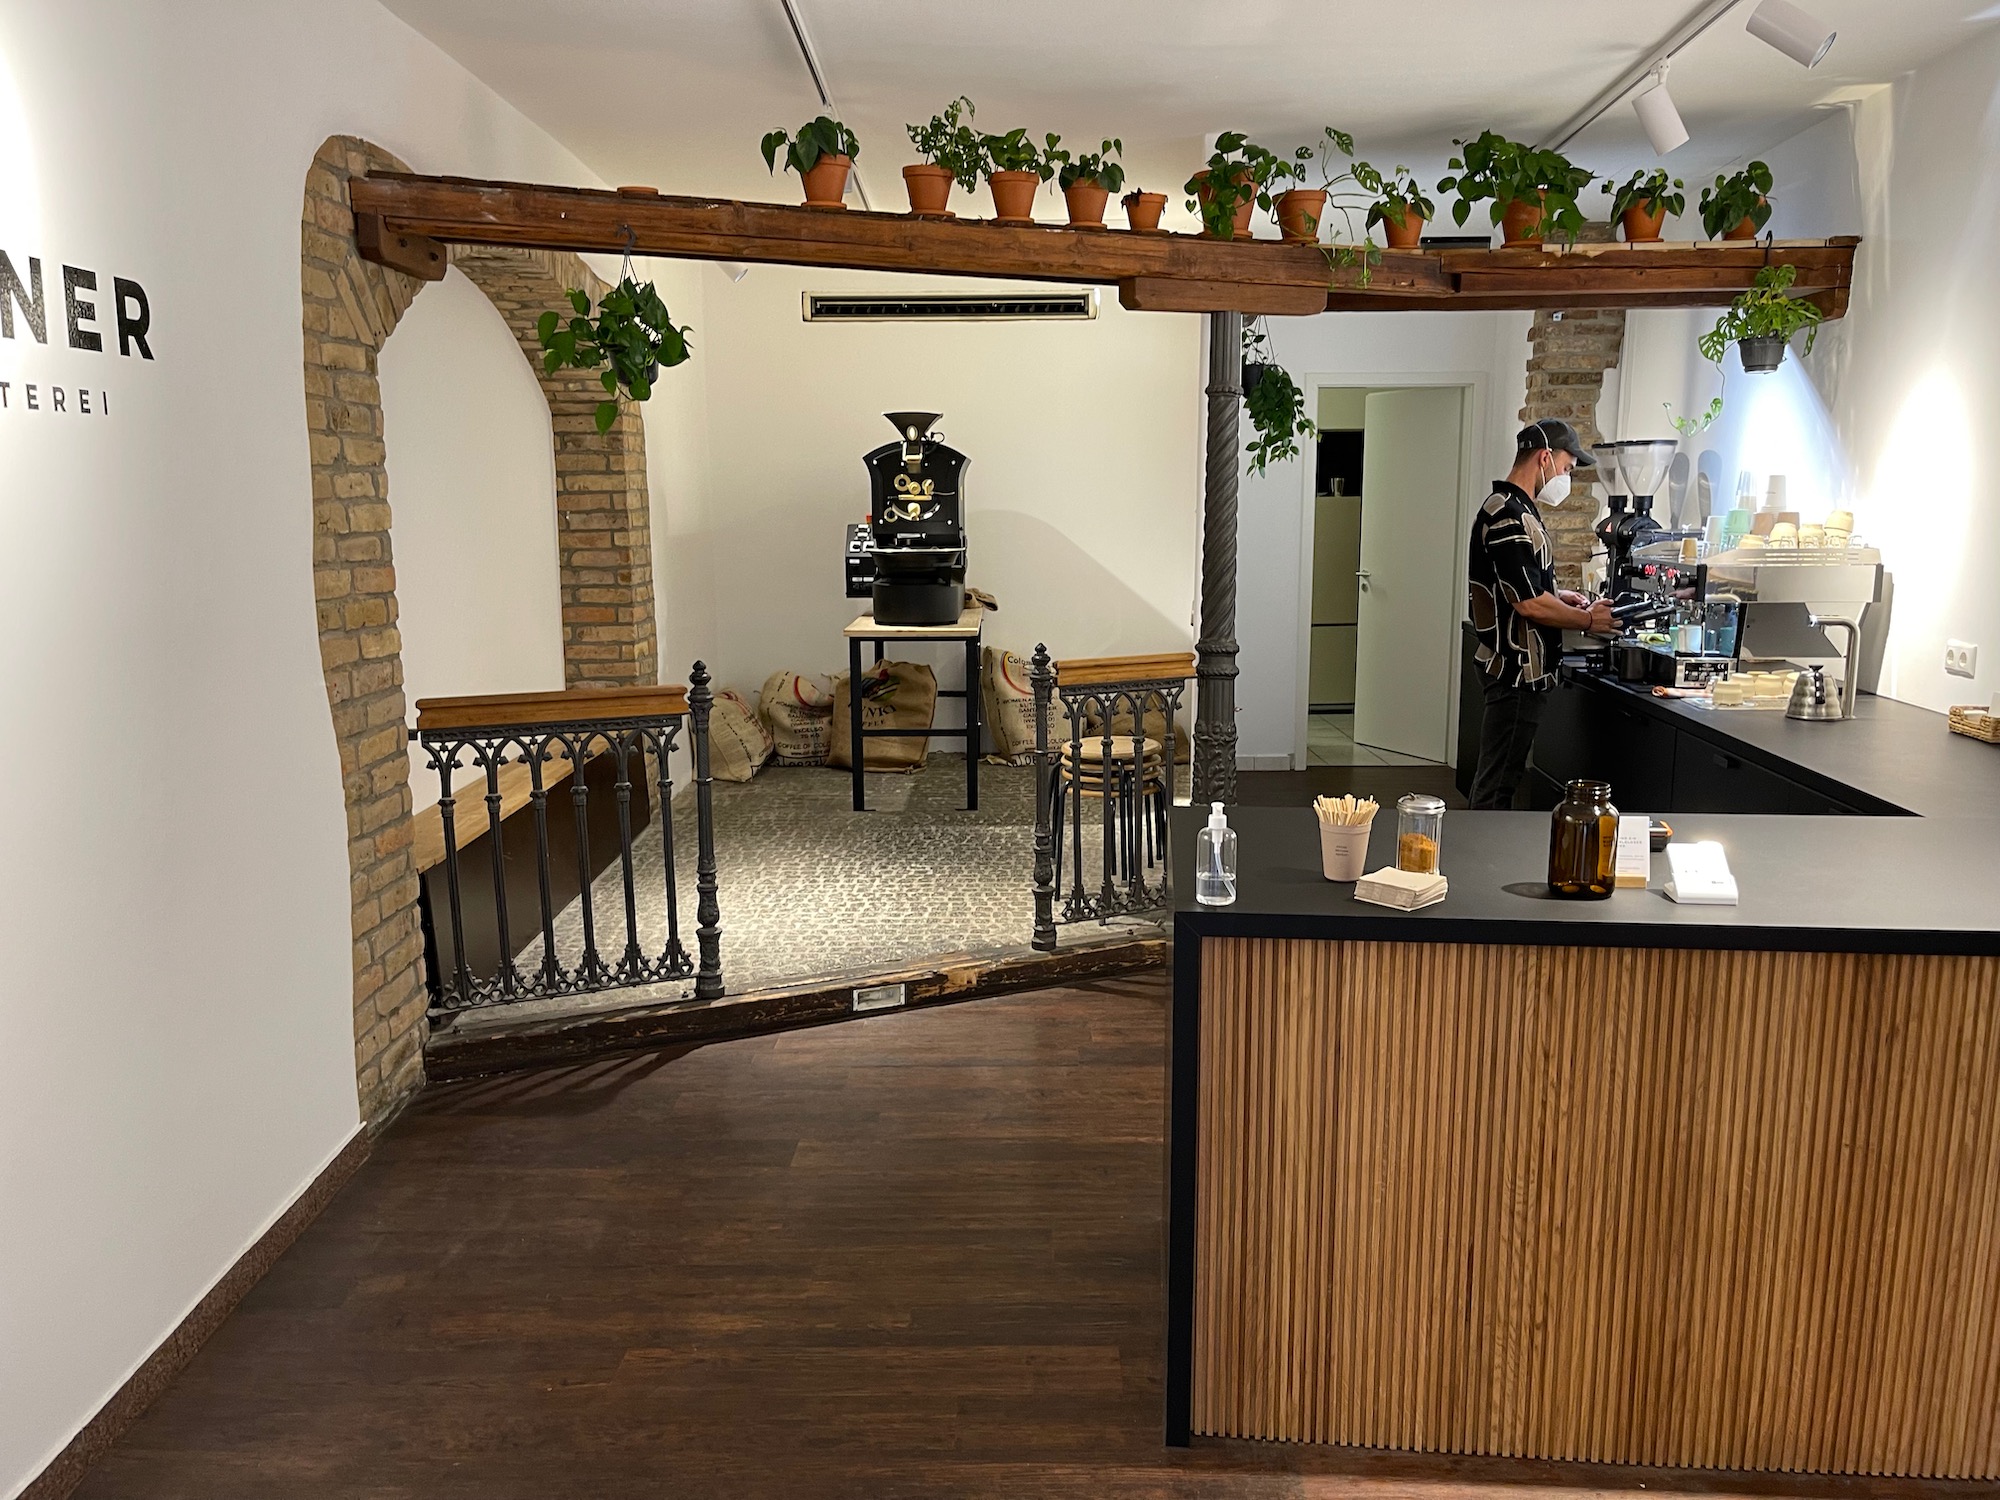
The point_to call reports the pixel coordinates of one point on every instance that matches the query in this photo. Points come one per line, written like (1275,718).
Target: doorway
(1385,591)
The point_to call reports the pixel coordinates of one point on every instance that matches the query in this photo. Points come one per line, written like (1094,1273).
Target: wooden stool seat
(1091,751)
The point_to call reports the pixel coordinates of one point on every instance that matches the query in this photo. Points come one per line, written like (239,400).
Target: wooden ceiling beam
(403,220)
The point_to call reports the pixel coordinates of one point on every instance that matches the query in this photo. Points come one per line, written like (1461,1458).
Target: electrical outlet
(1961,659)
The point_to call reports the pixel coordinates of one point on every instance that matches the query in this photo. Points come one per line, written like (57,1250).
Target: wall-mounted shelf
(405,220)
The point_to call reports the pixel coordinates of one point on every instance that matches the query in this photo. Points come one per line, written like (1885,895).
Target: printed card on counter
(1634,870)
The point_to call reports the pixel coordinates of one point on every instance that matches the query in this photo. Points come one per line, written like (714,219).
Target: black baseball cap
(1555,433)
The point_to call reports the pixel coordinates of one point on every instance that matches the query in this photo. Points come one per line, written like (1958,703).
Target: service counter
(1624,1181)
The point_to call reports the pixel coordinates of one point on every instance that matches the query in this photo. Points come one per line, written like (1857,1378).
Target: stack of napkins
(1406,890)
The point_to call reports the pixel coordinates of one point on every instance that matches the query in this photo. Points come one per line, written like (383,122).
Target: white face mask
(1555,491)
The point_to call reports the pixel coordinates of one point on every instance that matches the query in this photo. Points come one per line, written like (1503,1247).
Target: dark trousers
(1506,735)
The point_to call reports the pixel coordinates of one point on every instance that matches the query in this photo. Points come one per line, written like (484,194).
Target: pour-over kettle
(1812,699)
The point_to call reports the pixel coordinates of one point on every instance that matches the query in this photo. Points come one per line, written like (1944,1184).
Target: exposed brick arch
(350,307)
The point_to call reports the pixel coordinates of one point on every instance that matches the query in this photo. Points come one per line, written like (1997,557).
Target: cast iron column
(1215,649)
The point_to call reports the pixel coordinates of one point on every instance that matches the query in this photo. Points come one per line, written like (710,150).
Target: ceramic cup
(1343,850)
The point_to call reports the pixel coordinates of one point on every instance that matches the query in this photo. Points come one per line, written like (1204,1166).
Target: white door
(1411,594)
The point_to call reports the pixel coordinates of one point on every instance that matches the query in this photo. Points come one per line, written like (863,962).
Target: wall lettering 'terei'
(128,301)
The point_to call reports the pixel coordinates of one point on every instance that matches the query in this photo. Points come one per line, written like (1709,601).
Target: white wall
(1273,588)
(677,456)
(1082,497)
(472,490)
(176,1047)
(1889,415)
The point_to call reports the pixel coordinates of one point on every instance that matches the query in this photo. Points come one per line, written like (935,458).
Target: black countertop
(1893,755)
(1845,884)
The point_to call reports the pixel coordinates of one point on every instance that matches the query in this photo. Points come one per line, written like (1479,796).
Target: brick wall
(1568,355)
(350,307)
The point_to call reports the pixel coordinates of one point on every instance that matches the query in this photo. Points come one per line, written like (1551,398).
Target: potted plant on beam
(1143,210)
(1400,206)
(1088,181)
(1015,171)
(1643,203)
(1230,186)
(950,151)
(822,153)
(1761,322)
(1738,206)
(1300,211)
(633,335)
(1531,190)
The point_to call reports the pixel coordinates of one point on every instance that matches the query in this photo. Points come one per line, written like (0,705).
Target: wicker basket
(1976,723)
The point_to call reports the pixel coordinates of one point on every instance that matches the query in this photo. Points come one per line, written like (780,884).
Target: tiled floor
(1330,742)
(810,889)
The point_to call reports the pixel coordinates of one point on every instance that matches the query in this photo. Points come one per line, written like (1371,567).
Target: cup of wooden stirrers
(1343,835)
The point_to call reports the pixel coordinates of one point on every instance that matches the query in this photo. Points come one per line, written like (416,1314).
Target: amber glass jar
(1583,843)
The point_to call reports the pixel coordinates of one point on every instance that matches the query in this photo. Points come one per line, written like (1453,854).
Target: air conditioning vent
(948,307)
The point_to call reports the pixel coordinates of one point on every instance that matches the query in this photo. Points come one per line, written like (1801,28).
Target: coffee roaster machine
(908,557)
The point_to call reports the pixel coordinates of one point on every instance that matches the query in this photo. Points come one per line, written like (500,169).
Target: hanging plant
(1762,320)
(1276,405)
(632,336)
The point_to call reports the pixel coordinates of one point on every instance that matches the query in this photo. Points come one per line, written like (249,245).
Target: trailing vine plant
(632,336)
(1276,405)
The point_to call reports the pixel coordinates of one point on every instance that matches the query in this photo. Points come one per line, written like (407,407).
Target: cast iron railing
(1134,789)
(631,732)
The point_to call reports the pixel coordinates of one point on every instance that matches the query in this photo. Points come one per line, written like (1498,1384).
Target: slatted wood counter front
(1729,1209)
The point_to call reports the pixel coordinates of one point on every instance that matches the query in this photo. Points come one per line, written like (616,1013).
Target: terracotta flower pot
(930,190)
(826,182)
(1143,210)
(1240,222)
(1409,236)
(1521,225)
(1014,196)
(1086,201)
(1300,211)
(1642,228)
(1746,230)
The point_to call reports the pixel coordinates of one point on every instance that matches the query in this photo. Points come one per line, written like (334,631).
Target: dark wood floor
(916,1255)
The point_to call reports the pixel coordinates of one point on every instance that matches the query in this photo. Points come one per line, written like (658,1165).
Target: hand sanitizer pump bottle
(1215,860)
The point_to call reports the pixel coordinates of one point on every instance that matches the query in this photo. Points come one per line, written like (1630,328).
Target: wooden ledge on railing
(573,705)
(1087,671)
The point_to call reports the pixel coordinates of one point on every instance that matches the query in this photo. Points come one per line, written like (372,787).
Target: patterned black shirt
(1511,560)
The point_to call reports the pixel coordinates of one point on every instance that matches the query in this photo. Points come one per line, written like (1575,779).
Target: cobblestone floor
(809,888)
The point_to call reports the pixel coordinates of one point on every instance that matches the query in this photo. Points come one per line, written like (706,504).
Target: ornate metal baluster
(508,980)
(632,967)
(1043,680)
(1107,895)
(1076,905)
(590,970)
(708,913)
(459,990)
(673,958)
(538,799)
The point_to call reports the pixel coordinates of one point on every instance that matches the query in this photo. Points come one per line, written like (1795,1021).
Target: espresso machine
(908,557)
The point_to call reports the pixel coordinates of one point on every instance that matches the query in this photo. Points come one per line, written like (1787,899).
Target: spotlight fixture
(1655,108)
(1802,37)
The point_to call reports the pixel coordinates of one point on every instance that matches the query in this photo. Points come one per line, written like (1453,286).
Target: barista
(1517,610)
